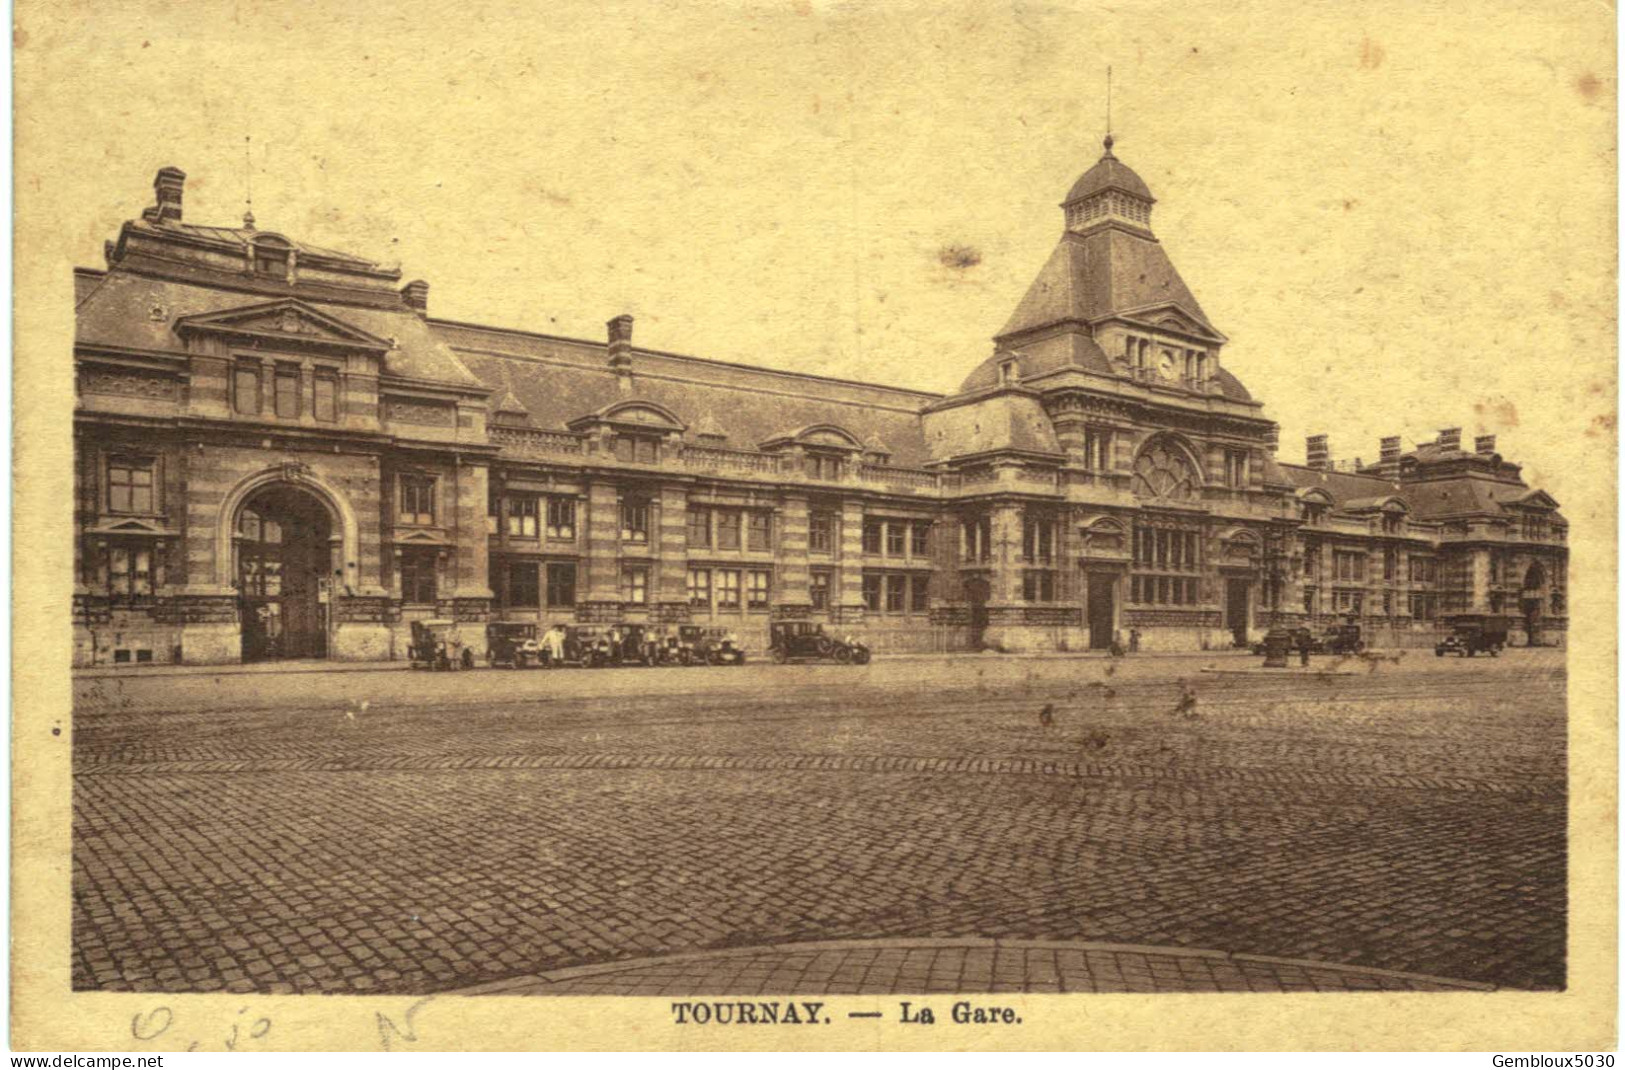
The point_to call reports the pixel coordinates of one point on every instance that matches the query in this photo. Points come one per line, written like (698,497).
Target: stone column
(601,599)
(848,596)
(1007,564)
(791,598)
(670,581)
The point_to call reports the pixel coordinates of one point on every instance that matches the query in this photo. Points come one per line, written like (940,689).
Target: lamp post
(1277,641)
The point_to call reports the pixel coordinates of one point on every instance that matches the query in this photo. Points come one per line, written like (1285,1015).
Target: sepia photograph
(812,513)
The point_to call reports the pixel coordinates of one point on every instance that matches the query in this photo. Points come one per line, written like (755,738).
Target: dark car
(1295,642)
(435,645)
(793,639)
(1343,639)
(512,643)
(1470,635)
(585,646)
(719,646)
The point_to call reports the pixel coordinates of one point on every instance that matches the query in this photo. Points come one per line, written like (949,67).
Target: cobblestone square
(911,822)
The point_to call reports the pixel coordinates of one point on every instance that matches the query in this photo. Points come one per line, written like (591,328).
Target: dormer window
(1009,374)
(271,257)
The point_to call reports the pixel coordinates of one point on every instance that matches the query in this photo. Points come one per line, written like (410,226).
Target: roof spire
(1108,141)
(248,183)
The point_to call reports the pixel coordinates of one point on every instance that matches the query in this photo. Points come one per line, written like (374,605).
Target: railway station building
(282,453)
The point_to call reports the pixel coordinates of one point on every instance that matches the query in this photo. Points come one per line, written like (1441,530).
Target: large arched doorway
(1531,599)
(284,558)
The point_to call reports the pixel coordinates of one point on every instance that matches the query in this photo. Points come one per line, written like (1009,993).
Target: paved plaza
(690,828)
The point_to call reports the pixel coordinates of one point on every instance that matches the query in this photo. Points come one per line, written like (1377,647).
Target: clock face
(1165,366)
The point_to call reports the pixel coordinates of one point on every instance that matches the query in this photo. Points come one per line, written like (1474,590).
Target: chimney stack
(1484,444)
(620,344)
(416,295)
(1389,450)
(1449,439)
(168,186)
(1319,452)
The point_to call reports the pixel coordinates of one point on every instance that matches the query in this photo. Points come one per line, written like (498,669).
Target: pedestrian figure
(1303,647)
(553,645)
(1134,640)
(1187,702)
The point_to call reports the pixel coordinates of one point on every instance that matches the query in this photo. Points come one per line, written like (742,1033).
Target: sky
(1401,215)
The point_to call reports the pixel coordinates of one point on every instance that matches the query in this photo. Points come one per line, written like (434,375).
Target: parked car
(585,646)
(804,639)
(688,647)
(435,646)
(1469,635)
(719,646)
(512,643)
(638,645)
(1343,639)
(1316,645)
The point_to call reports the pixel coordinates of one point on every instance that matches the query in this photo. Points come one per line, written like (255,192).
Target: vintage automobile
(635,644)
(718,646)
(796,639)
(435,646)
(512,643)
(1343,639)
(585,646)
(688,646)
(1469,635)
(1316,645)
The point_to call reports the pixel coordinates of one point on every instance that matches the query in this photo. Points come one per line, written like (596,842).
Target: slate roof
(561,379)
(1102,273)
(119,313)
(1109,173)
(1428,499)
(244,237)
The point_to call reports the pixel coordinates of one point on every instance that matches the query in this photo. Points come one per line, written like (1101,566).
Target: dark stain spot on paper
(19,36)
(959,257)
(1498,410)
(1589,86)
(1602,425)
(1371,54)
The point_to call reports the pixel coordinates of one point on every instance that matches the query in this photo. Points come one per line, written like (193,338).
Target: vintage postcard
(801,525)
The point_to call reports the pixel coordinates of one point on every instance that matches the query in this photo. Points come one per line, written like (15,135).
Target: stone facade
(280,453)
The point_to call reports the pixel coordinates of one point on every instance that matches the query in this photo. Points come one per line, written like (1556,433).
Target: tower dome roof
(1109,173)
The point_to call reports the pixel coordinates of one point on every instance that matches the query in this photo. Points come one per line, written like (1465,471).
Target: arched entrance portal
(284,556)
(1532,597)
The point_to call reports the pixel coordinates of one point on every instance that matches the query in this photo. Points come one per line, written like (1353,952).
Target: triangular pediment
(1171,317)
(1536,499)
(288,320)
(419,538)
(130,525)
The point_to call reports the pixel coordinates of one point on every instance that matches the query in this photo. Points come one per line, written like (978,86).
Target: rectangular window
(1309,601)
(1235,468)
(821,532)
(418,577)
(417,500)
(1390,564)
(245,388)
(758,585)
(727,529)
(1037,540)
(871,592)
(493,512)
(919,540)
(561,584)
(637,449)
(823,466)
(976,539)
(818,589)
(561,519)
(129,570)
(129,485)
(896,593)
(635,521)
(325,397)
(699,587)
(1422,570)
(524,514)
(635,585)
(895,537)
(727,588)
(920,593)
(1038,585)
(871,536)
(1097,449)
(760,529)
(1348,567)
(287,392)
(699,526)
(524,584)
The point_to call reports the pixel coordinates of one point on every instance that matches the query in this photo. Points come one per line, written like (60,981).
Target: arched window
(1163,471)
